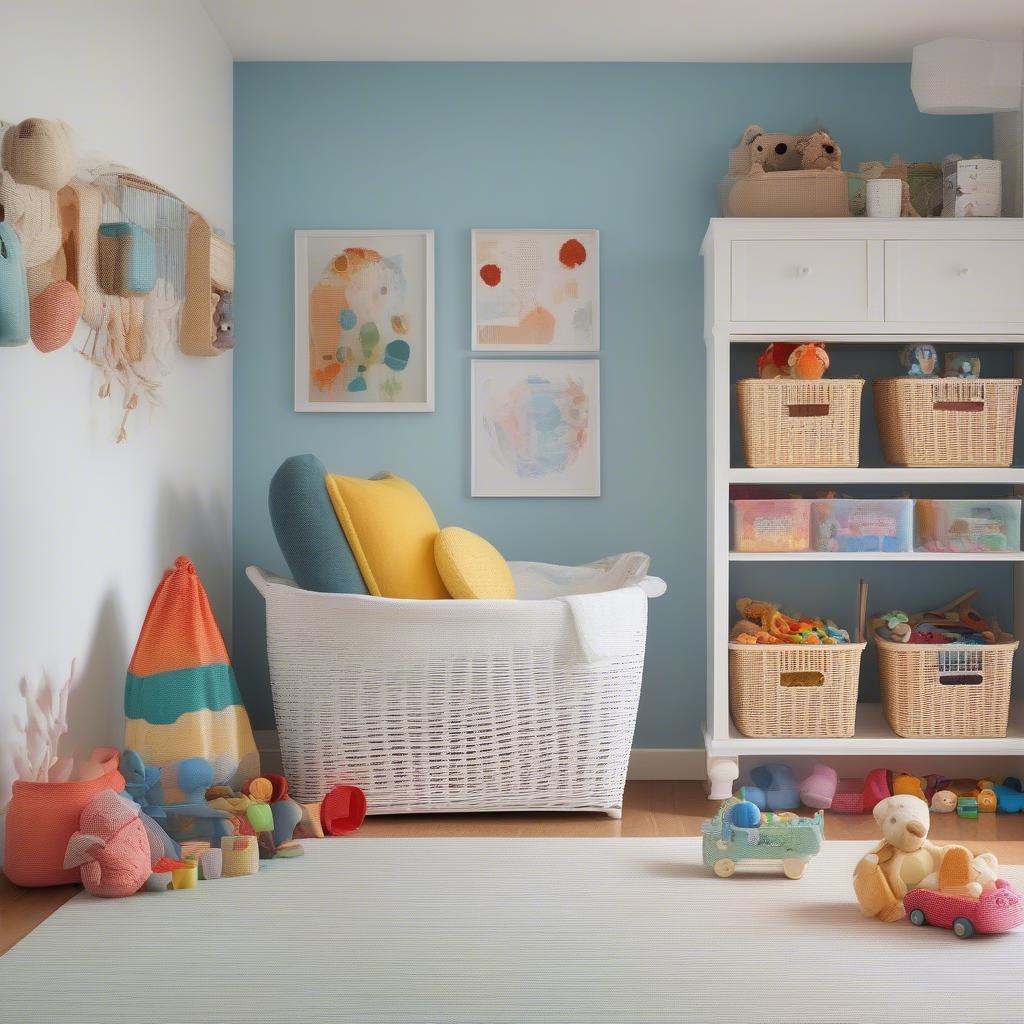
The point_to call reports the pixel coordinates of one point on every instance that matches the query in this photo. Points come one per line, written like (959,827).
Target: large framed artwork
(364,321)
(536,428)
(536,291)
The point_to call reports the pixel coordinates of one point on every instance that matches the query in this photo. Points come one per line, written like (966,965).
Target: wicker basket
(453,705)
(794,690)
(950,422)
(946,689)
(800,422)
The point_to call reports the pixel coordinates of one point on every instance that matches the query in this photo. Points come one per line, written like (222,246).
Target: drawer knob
(803,271)
(962,271)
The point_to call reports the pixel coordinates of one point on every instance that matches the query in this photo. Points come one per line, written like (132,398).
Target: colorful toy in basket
(739,833)
(907,860)
(806,361)
(957,622)
(763,623)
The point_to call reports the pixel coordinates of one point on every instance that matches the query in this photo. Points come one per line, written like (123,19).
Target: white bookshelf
(888,282)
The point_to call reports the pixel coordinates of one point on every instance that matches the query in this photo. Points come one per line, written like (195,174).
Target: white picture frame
(502,393)
(548,294)
(403,259)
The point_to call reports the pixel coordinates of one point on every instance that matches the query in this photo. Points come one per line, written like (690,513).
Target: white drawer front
(959,282)
(800,280)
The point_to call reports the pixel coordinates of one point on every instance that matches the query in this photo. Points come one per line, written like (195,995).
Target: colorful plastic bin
(983,524)
(857,524)
(770,524)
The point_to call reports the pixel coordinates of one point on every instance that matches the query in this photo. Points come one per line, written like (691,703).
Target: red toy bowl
(343,809)
(998,910)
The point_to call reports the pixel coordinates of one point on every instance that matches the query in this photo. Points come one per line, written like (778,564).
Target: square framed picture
(536,290)
(536,428)
(364,321)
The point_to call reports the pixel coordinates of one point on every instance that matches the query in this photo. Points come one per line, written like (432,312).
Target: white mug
(885,196)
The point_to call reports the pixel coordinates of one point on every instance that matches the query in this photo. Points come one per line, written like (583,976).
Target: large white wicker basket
(454,705)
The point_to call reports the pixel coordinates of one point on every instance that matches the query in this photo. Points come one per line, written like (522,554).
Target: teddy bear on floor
(906,859)
(819,152)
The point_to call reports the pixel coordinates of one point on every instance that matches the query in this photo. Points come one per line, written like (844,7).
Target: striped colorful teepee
(180,695)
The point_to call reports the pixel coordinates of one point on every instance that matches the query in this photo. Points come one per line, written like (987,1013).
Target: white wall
(86,526)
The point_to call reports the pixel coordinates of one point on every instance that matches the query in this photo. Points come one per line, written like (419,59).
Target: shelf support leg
(722,773)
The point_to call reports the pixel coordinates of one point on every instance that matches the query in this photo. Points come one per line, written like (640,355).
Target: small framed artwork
(364,321)
(536,428)
(536,291)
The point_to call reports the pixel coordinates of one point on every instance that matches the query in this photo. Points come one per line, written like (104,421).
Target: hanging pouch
(14,325)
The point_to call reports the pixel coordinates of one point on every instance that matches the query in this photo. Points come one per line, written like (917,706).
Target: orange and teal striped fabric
(181,698)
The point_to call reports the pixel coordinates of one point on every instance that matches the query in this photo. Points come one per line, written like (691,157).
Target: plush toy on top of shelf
(819,152)
(804,361)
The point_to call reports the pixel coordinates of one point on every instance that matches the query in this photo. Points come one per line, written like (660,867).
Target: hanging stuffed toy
(37,163)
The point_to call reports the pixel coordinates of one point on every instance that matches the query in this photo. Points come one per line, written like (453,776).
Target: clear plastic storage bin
(856,524)
(982,524)
(770,524)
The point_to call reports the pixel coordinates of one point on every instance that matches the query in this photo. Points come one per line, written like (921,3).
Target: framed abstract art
(364,321)
(536,428)
(536,291)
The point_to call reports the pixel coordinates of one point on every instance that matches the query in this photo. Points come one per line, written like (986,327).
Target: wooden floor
(650,809)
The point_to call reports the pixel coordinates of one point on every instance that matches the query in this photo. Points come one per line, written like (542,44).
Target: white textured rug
(512,930)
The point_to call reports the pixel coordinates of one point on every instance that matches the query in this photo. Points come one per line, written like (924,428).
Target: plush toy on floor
(906,859)
(111,846)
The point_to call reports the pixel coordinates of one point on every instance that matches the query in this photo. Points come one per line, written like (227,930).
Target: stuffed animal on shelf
(819,152)
(111,846)
(770,151)
(906,859)
(807,361)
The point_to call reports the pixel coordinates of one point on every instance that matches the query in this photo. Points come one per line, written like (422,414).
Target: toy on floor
(855,797)
(111,846)
(163,871)
(763,623)
(240,856)
(807,361)
(906,859)
(193,818)
(342,811)
(739,833)
(142,784)
(966,905)
(211,864)
(774,787)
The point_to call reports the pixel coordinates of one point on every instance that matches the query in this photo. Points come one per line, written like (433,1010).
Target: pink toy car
(997,910)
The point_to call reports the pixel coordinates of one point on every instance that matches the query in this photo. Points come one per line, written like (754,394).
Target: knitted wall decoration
(108,246)
(181,699)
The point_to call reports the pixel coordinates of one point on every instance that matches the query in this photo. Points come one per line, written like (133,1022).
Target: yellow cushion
(391,530)
(471,567)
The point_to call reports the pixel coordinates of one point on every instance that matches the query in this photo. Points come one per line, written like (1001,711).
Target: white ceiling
(695,30)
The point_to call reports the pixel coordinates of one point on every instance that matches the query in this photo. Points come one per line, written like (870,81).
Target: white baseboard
(648,763)
(687,763)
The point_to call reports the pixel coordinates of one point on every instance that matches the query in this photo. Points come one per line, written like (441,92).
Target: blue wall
(634,150)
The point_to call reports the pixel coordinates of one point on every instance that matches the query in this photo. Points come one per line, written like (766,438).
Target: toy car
(997,910)
(739,832)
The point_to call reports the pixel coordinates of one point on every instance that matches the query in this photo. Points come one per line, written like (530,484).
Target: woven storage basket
(946,689)
(793,689)
(924,422)
(452,705)
(800,422)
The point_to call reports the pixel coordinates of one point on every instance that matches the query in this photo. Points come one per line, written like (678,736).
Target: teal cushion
(308,531)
